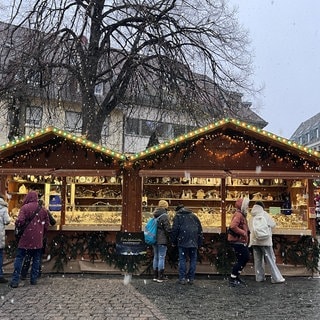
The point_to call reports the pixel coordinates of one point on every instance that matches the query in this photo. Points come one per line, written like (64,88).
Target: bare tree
(181,56)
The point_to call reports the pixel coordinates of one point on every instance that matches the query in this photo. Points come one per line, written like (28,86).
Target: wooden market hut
(206,170)
(53,162)
(209,168)
(212,166)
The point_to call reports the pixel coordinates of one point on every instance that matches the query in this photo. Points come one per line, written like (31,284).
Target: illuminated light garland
(163,145)
(64,134)
(265,152)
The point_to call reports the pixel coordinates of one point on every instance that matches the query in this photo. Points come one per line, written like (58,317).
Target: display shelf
(88,200)
(292,231)
(93,217)
(11,226)
(204,197)
(93,201)
(91,227)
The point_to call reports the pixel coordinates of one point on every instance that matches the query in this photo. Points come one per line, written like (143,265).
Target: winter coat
(163,227)
(239,223)
(257,210)
(4,220)
(32,237)
(186,229)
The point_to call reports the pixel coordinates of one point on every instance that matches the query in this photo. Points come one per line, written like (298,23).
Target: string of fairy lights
(283,151)
(191,135)
(66,135)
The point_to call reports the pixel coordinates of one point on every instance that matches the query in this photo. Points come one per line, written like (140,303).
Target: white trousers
(261,256)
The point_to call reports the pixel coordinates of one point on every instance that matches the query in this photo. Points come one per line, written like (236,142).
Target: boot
(155,275)
(3,280)
(161,276)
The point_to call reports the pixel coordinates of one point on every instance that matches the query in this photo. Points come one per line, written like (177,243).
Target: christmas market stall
(100,197)
(209,168)
(78,180)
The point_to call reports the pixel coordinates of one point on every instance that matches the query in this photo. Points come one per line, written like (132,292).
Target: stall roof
(46,134)
(20,155)
(236,125)
(228,147)
(58,152)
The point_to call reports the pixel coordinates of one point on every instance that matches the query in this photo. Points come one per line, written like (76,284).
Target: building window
(163,130)
(34,77)
(147,127)
(305,139)
(105,132)
(98,89)
(34,117)
(132,126)
(180,129)
(73,121)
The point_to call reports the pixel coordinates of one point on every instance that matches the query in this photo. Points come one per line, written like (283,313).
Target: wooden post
(223,205)
(131,201)
(310,201)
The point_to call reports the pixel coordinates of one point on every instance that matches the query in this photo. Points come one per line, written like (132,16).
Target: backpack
(150,231)
(260,228)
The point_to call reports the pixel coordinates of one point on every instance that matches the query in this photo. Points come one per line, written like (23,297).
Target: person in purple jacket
(31,242)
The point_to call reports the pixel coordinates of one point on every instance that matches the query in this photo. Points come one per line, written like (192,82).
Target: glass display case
(96,201)
(285,200)
(93,201)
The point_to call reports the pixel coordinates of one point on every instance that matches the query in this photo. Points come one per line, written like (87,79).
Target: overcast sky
(285,37)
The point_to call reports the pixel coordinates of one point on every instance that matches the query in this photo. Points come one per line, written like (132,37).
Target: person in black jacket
(187,235)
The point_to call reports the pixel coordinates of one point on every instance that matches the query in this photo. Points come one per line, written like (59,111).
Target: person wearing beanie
(238,238)
(188,236)
(263,248)
(4,220)
(163,237)
(163,204)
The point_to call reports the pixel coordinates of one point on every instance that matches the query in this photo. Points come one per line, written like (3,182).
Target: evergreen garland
(65,247)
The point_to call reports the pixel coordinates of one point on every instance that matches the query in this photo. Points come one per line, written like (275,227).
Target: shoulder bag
(19,230)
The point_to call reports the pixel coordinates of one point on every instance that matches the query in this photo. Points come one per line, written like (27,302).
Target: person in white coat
(4,220)
(263,249)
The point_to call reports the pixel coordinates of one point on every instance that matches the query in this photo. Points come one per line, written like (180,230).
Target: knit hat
(163,204)
(179,206)
(260,203)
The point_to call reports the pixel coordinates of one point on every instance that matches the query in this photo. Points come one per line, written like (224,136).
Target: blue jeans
(185,253)
(35,255)
(159,256)
(243,255)
(1,262)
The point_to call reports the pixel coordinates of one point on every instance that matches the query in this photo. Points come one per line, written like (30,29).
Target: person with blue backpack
(161,245)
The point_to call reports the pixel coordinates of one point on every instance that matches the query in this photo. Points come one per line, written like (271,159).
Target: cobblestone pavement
(76,297)
(62,297)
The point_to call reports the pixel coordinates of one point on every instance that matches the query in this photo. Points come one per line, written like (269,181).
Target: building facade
(308,133)
(32,99)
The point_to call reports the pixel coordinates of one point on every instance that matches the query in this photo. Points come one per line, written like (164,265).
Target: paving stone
(99,297)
